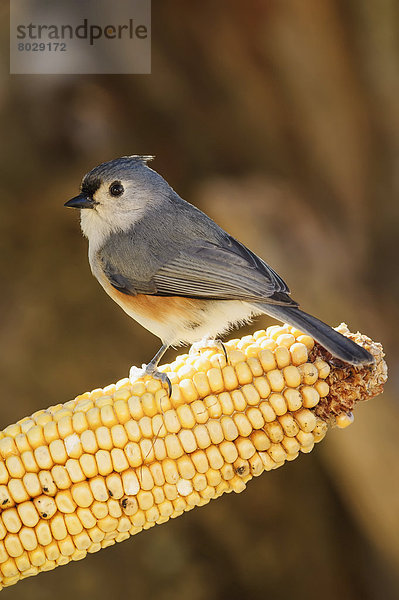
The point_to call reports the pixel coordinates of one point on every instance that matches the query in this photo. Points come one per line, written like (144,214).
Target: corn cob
(81,476)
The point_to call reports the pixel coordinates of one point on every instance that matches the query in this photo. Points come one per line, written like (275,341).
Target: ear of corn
(80,476)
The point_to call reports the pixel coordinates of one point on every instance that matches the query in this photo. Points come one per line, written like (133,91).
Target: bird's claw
(152,371)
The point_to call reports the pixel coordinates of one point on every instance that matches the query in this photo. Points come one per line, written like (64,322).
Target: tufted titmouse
(174,270)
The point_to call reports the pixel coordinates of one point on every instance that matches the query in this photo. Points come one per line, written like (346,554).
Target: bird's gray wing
(218,270)
(122,281)
(227,271)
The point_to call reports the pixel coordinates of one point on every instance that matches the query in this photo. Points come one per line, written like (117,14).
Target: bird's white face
(117,205)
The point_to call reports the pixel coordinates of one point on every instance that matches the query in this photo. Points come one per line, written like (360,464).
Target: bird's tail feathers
(333,341)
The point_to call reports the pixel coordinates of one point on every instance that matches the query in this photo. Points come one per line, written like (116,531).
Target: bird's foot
(152,370)
(208,343)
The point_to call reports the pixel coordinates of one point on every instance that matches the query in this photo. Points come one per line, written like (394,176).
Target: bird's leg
(152,369)
(208,343)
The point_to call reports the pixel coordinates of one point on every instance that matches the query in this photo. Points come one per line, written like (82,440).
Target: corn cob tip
(349,384)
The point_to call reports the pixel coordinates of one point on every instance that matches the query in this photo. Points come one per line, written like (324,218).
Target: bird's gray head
(115,194)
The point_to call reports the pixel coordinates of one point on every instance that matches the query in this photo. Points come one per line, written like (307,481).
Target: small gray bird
(174,270)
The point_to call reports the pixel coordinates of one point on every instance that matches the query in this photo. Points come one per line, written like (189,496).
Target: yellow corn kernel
(292,376)
(21,442)
(255,366)
(88,465)
(267,360)
(45,506)
(309,373)
(73,524)
(58,451)
(251,395)
(322,388)
(159,449)
(172,423)
(5,497)
(145,425)
(277,453)
(267,411)
(276,380)
(305,439)
(213,478)
(282,354)
(305,419)
(64,425)
(200,461)
(185,416)
(278,404)
(29,462)
(173,446)
(202,436)
(189,390)
(293,398)
(119,461)
(260,440)
(291,445)
(215,379)
(147,451)
(201,382)
(81,541)
(60,477)
(28,538)
(17,491)
(344,420)
(145,478)
(262,386)
(229,377)
(310,396)
(214,457)
(229,451)
(13,545)
(323,368)
(73,445)
(274,431)
(289,425)
(245,447)
(299,353)
(28,513)
(320,430)
(11,520)
(79,422)
(215,431)
(15,467)
(241,467)
(243,424)
(9,568)
(255,417)
(230,430)
(121,407)
(200,411)
(104,463)
(65,502)
(187,440)
(32,484)
(244,374)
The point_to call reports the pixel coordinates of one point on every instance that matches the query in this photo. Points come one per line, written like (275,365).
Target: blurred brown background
(280,119)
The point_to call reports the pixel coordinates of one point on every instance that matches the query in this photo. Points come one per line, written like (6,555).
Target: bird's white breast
(94,228)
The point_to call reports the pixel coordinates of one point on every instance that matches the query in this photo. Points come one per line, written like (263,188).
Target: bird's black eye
(116,189)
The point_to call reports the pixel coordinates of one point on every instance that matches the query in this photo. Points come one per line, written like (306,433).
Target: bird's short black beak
(81,201)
